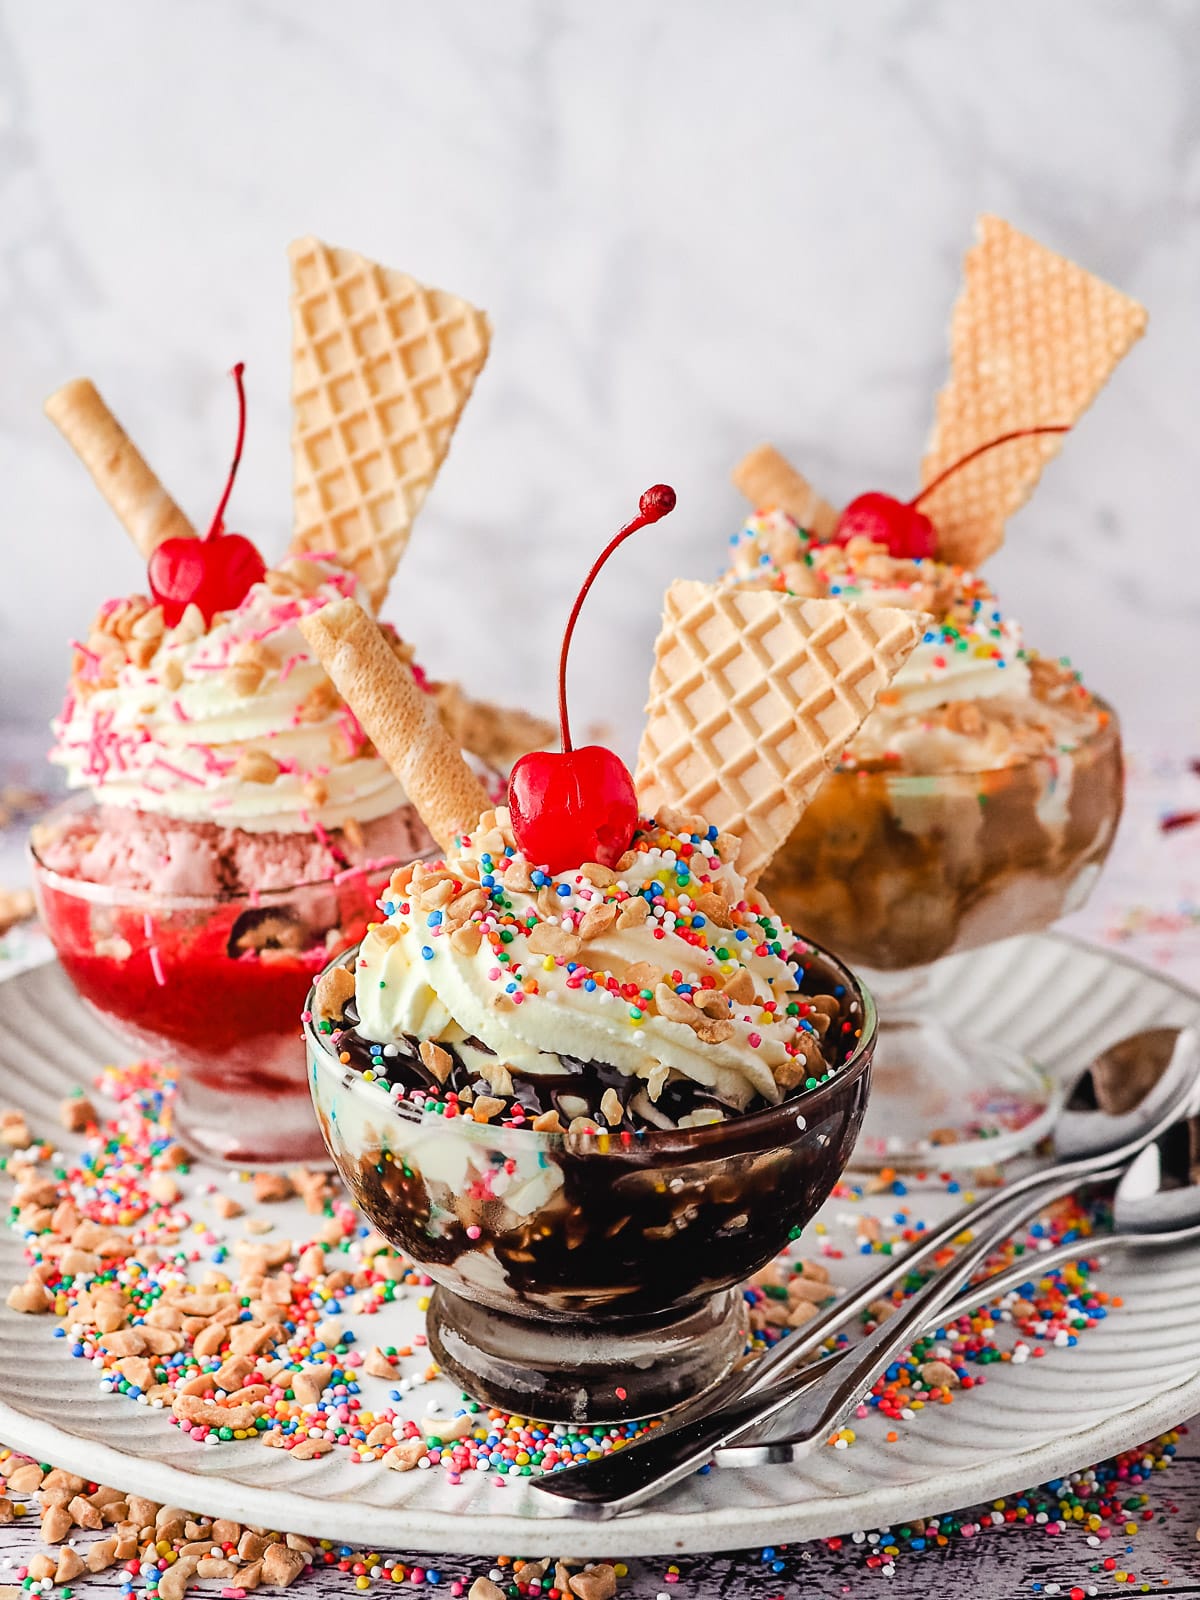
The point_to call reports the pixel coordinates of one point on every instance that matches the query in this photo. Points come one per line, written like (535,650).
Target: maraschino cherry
(899,524)
(572,806)
(214,573)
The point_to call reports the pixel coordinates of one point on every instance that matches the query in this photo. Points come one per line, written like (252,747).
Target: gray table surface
(1148,905)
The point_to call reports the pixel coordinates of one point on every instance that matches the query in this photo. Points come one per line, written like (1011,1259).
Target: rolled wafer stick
(767,478)
(146,511)
(402,721)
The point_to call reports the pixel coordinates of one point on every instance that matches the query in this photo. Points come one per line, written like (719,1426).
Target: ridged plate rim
(725,1510)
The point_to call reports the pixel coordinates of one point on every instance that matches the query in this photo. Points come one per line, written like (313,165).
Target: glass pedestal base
(944,1101)
(590,1369)
(264,1120)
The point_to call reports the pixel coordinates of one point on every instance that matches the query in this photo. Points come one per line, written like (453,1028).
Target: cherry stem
(219,518)
(982,449)
(655,503)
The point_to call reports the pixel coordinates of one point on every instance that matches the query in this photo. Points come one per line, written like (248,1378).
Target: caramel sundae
(981,794)
(979,798)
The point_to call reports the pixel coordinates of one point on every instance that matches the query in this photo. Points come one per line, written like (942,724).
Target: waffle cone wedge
(753,697)
(1033,340)
(401,720)
(381,370)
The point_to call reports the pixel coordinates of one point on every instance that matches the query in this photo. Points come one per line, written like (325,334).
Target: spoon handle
(761,1447)
(628,1478)
(792,1352)
(826,1403)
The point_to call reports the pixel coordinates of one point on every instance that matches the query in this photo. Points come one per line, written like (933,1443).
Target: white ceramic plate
(1133,1376)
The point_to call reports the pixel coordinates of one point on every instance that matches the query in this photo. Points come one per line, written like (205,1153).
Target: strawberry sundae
(233,825)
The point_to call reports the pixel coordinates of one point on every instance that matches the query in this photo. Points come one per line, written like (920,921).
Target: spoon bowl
(1090,1144)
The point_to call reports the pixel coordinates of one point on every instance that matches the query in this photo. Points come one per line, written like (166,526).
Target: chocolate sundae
(582,1071)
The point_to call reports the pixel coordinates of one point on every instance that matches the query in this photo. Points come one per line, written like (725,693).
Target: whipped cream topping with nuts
(970,697)
(234,723)
(666,966)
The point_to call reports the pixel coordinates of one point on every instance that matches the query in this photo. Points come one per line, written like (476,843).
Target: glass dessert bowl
(213,983)
(898,869)
(587,1274)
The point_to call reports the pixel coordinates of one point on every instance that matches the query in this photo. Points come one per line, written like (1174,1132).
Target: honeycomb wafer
(1033,340)
(753,697)
(381,369)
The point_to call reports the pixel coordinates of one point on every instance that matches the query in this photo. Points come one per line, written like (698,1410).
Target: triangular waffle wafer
(1033,340)
(381,370)
(753,697)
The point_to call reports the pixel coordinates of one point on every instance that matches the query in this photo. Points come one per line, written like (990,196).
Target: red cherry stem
(982,449)
(219,518)
(655,503)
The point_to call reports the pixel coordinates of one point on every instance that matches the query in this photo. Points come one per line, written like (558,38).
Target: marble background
(696,225)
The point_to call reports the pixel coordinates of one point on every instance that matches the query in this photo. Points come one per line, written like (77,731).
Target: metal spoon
(1091,1144)
(1156,1208)
(1088,1144)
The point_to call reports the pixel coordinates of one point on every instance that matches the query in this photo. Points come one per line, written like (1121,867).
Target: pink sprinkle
(754,1040)
(177,772)
(377,863)
(289,666)
(156,967)
(352,730)
(212,761)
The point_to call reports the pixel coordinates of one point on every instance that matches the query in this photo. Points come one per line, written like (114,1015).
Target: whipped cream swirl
(235,723)
(665,966)
(971,654)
